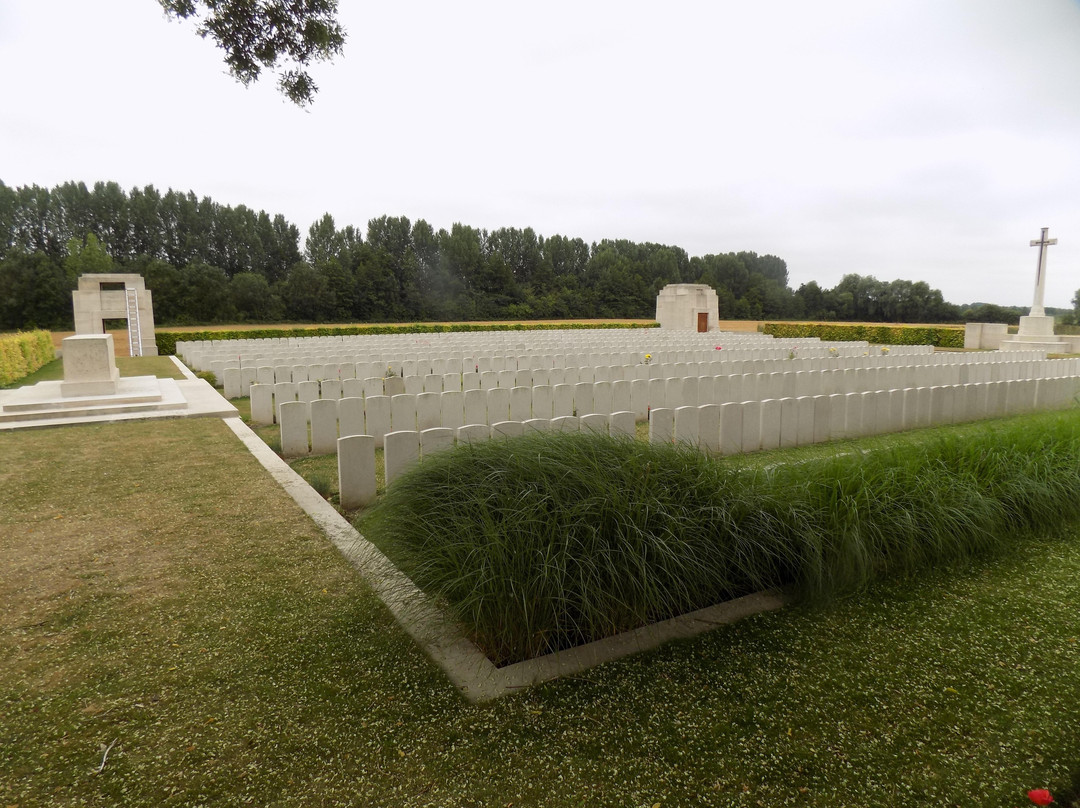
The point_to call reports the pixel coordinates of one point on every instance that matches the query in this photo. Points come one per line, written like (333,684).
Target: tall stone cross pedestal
(1037,324)
(1040,273)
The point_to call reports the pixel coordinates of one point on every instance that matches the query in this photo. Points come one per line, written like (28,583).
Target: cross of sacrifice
(1040,273)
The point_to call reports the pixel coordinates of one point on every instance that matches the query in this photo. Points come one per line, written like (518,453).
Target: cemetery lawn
(160,366)
(174,631)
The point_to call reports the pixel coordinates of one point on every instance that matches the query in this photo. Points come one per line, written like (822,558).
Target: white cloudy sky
(918,139)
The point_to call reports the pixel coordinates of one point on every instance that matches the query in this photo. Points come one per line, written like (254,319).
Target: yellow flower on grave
(884,349)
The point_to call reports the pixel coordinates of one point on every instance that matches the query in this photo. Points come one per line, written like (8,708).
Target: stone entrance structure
(688,307)
(116,296)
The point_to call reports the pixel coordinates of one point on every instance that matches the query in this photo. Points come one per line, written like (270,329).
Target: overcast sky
(918,139)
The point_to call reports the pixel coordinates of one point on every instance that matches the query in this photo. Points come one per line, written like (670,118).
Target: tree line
(211,263)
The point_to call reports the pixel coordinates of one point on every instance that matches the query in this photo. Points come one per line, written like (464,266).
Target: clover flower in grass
(1040,796)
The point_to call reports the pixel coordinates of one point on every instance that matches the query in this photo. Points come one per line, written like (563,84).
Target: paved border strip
(471,672)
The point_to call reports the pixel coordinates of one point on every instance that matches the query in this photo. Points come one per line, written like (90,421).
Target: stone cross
(1040,273)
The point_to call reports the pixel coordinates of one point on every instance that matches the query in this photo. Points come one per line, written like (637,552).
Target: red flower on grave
(1040,796)
(719,347)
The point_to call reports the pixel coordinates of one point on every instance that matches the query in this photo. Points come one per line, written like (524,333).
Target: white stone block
(403,413)
(601,398)
(507,429)
(661,425)
(262,404)
(373,386)
(293,419)
(673,396)
(436,439)
(521,403)
(685,428)
(451,383)
(473,433)
(377,418)
(542,401)
(452,409)
(822,418)
(583,398)
(247,378)
(565,423)
(393,386)
(324,426)
(356,470)
(307,391)
(594,422)
(283,392)
(476,407)
(789,423)
(657,394)
(432,384)
(731,436)
(498,405)
(428,411)
(414,385)
(538,425)
(401,452)
(622,424)
(470,381)
(771,414)
(330,388)
(282,373)
(709,427)
(563,401)
(299,374)
(351,416)
(751,426)
(804,435)
(853,415)
(231,381)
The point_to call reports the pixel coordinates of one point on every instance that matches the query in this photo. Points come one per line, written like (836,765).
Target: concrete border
(465,665)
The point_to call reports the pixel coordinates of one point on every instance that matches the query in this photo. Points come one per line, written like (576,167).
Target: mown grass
(177,609)
(547,541)
(160,366)
(176,605)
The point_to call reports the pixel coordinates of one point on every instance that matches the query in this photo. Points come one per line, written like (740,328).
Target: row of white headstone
(478,345)
(724,429)
(237,381)
(413,363)
(377,414)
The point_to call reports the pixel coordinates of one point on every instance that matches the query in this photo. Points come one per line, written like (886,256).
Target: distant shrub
(166,340)
(940,337)
(24,352)
(552,540)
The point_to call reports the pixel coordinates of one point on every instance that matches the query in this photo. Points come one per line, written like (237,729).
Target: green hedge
(166,340)
(941,337)
(23,353)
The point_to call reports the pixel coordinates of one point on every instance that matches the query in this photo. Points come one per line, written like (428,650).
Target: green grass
(548,541)
(178,605)
(160,366)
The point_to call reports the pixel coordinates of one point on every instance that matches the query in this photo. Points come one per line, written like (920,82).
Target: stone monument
(116,296)
(1036,330)
(688,307)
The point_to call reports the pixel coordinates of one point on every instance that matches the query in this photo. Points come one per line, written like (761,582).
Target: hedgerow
(938,336)
(166,340)
(24,352)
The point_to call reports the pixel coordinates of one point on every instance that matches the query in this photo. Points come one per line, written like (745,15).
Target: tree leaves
(284,36)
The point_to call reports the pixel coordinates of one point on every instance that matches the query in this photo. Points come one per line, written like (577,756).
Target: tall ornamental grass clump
(547,541)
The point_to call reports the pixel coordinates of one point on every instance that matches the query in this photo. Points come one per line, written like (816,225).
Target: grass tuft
(548,541)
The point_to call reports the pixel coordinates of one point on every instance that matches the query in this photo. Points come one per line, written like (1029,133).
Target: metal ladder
(134,331)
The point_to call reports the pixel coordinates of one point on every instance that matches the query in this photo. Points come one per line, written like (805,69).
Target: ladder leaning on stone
(134,332)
